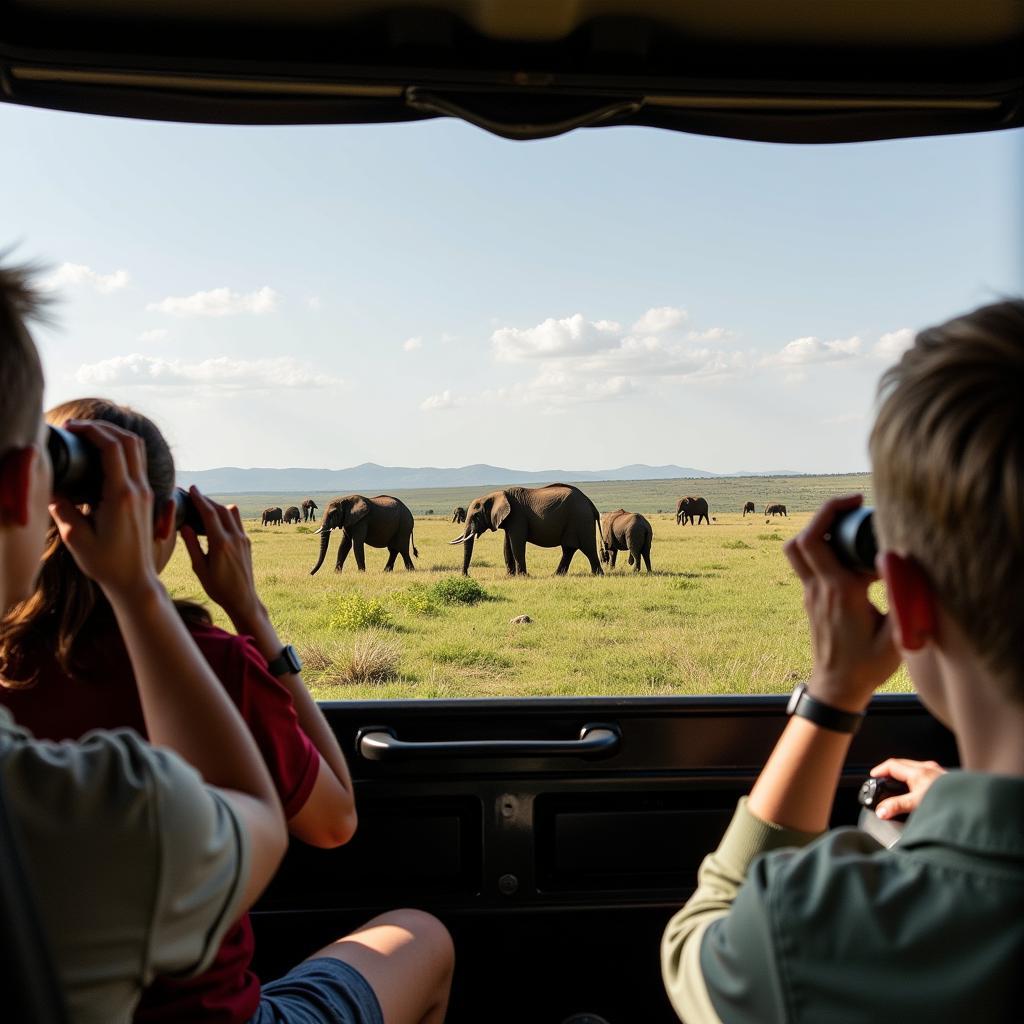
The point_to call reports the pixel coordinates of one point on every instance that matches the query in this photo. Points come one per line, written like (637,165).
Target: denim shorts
(320,991)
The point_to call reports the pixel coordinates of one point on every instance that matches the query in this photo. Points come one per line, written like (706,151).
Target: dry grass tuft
(374,659)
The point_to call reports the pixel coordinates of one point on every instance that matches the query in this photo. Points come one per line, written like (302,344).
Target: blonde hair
(947,452)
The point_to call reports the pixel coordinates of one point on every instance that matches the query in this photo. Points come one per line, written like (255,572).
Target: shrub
(303,529)
(417,599)
(457,590)
(736,545)
(770,536)
(358,612)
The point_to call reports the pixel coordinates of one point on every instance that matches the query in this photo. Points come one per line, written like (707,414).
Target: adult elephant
(692,508)
(558,515)
(776,510)
(309,507)
(626,531)
(749,507)
(291,514)
(458,514)
(380,522)
(272,515)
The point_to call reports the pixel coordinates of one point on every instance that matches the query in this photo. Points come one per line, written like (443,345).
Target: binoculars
(852,539)
(78,477)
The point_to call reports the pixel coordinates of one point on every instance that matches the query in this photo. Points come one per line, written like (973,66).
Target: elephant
(291,514)
(690,508)
(381,522)
(309,507)
(458,514)
(272,515)
(775,510)
(749,507)
(626,531)
(556,515)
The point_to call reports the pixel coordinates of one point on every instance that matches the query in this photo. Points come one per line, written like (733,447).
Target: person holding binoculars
(120,838)
(790,922)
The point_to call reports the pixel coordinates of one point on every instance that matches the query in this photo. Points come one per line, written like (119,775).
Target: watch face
(291,656)
(794,699)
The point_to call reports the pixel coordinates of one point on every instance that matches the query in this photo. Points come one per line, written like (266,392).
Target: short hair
(21,397)
(947,453)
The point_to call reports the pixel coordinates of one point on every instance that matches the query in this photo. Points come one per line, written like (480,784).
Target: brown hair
(21,396)
(68,617)
(947,451)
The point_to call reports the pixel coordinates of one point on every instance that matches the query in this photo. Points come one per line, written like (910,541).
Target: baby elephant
(626,531)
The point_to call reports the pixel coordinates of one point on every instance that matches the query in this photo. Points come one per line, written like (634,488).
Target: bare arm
(328,817)
(183,703)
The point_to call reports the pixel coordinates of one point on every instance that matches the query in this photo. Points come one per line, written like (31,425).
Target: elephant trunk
(325,536)
(467,554)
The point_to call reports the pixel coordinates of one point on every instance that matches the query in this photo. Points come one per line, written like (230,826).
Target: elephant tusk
(462,540)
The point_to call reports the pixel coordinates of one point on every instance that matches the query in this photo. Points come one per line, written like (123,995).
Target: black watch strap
(286,662)
(825,715)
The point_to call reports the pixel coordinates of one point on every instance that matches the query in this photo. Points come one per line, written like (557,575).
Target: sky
(427,294)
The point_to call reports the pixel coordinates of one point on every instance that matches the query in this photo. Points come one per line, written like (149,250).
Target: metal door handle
(380,743)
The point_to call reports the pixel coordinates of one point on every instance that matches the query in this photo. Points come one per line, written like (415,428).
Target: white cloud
(220,373)
(659,319)
(891,346)
(218,302)
(711,334)
(572,335)
(313,302)
(155,334)
(68,274)
(443,400)
(411,344)
(804,351)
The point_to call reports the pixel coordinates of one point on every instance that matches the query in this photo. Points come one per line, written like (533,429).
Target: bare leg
(407,957)
(343,549)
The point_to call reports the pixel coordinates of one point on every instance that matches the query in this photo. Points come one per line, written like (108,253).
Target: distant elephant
(775,510)
(749,507)
(558,515)
(458,514)
(309,507)
(381,522)
(690,508)
(291,514)
(626,531)
(272,515)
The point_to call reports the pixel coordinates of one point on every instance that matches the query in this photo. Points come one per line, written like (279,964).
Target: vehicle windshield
(428,312)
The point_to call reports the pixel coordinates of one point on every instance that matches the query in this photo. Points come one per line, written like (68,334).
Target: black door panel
(555,873)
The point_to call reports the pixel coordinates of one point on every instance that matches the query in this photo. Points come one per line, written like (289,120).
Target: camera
(852,539)
(78,477)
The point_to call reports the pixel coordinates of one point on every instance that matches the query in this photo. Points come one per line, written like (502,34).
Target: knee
(427,932)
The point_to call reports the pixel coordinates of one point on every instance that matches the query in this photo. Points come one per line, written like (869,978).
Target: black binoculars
(852,538)
(78,477)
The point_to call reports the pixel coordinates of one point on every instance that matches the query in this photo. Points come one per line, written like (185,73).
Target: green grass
(722,613)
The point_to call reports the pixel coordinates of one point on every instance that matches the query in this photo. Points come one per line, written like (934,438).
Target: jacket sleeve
(696,948)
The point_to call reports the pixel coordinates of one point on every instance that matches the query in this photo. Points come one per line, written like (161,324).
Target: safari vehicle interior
(554,837)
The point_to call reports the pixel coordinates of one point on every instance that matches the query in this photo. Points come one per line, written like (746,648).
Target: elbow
(333,833)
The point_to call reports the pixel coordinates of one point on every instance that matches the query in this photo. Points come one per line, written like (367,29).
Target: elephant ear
(359,509)
(500,509)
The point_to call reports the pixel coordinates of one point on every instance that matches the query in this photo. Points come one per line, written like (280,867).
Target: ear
(163,525)
(501,509)
(358,509)
(16,485)
(911,600)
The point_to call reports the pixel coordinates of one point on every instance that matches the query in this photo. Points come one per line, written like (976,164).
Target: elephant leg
(612,556)
(360,553)
(634,558)
(518,540)
(563,565)
(392,555)
(510,561)
(343,549)
(406,560)
(595,562)
(647,557)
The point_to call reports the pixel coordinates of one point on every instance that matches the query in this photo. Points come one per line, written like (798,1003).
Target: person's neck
(989,725)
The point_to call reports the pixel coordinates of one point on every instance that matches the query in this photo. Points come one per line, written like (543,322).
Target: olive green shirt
(137,867)
(836,928)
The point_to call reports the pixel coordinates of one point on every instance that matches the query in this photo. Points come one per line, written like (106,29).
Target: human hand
(918,776)
(225,568)
(113,542)
(851,640)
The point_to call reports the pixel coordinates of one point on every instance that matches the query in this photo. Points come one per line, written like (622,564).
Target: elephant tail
(412,540)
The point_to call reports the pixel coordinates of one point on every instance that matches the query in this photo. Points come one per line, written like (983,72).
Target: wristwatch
(803,704)
(287,661)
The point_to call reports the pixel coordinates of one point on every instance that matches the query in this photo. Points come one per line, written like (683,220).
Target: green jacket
(840,929)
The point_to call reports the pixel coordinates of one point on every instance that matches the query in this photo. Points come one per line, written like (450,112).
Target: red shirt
(58,708)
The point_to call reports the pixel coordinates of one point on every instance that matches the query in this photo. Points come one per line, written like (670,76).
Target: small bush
(417,599)
(770,536)
(457,590)
(303,529)
(358,612)
(374,659)
(737,545)
(316,656)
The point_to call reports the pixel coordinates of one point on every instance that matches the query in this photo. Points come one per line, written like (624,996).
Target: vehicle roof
(778,70)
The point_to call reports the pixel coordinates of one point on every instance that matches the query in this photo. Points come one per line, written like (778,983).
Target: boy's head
(947,454)
(25,473)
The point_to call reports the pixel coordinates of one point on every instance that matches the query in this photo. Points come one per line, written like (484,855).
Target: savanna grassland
(722,612)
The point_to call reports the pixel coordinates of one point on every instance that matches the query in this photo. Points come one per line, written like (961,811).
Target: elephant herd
(273,516)
(769,510)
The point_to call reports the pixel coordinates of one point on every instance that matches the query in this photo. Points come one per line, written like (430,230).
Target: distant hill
(371,477)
